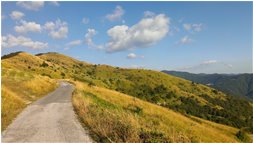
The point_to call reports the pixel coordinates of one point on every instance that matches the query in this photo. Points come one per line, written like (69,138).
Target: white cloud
(134,56)
(199,66)
(193,27)
(187,27)
(31,5)
(49,26)
(197,27)
(74,43)
(88,39)
(28,27)
(131,56)
(55,3)
(57,29)
(145,33)
(210,62)
(185,40)
(149,14)
(116,15)
(60,33)
(85,20)
(10,41)
(16,15)
(206,66)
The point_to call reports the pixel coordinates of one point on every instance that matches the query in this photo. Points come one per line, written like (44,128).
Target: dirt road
(50,119)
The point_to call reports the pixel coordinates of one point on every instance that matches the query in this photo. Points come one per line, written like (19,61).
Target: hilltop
(181,97)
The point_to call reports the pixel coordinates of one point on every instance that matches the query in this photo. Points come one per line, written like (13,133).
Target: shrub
(135,109)
(44,64)
(90,84)
(215,91)
(63,74)
(153,137)
(242,135)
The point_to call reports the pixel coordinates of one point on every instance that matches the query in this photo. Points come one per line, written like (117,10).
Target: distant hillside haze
(240,85)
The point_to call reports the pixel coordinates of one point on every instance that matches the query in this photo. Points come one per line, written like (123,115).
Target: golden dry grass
(113,116)
(20,89)
(11,106)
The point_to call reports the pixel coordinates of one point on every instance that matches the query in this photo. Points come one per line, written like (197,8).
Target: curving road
(49,119)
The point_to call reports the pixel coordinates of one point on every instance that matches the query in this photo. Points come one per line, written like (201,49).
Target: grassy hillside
(240,85)
(19,89)
(175,93)
(19,86)
(159,88)
(162,89)
(115,117)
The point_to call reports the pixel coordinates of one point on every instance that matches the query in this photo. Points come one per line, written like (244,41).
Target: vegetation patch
(19,89)
(243,136)
(114,117)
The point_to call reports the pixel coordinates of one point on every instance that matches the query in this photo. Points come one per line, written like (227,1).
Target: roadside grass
(115,117)
(11,106)
(19,89)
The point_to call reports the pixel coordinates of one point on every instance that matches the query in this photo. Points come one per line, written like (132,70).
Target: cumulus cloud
(85,20)
(88,39)
(185,40)
(193,27)
(57,29)
(27,27)
(74,43)
(149,14)
(131,56)
(10,41)
(116,15)
(187,27)
(49,26)
(197,27)
(145,33)
(16,15)
(31,5)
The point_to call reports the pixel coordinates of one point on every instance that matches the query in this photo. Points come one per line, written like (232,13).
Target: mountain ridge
(228,83)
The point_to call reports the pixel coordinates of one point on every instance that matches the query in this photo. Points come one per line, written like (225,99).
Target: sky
(198,37)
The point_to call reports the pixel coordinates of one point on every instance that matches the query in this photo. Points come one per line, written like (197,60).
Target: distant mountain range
(233,84)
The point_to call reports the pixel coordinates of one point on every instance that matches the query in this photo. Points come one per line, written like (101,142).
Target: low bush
(242,135)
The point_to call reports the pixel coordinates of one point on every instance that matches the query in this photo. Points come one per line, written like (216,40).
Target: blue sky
(199,37)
